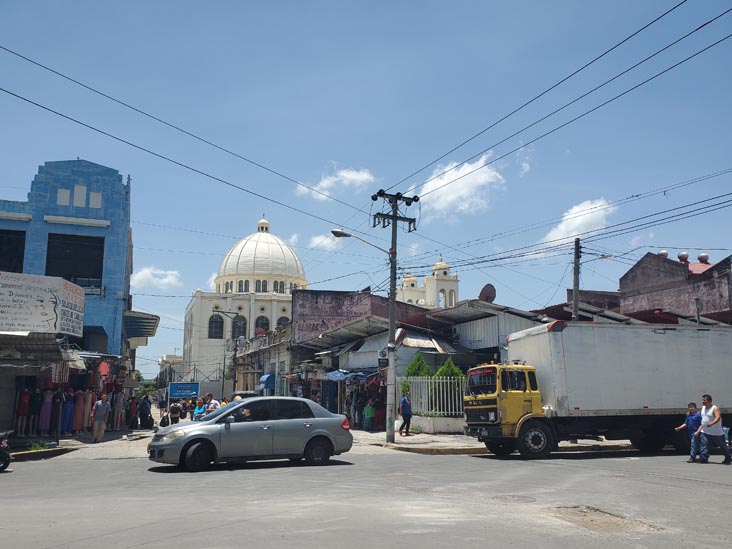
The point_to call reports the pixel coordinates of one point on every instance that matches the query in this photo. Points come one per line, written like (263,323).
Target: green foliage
(405,387)
(418,367)
(448,369)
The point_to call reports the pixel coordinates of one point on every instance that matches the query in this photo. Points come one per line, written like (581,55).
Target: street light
(391,346)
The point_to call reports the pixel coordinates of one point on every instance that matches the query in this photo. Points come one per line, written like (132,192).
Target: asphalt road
(372,498)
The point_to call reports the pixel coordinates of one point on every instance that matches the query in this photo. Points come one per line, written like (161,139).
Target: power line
(550,88)
(173,161)
(571,121)
(177,128)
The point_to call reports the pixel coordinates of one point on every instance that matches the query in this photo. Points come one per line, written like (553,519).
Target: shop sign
(183,390)
(41,304)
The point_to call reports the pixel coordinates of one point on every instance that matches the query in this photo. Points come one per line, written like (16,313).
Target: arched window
(452,298)
(241,286)
(216,326)
(246,285)
(441,299)
(282,321)
(239,327)
(258,286)
(282,287)
(276,287)
(290,287)
(261,325)
(264,286)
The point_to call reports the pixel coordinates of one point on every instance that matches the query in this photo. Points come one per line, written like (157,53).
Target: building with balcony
(76,225)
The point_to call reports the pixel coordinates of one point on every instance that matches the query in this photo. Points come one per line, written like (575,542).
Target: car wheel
(318,452)
(4,461)
(198,457)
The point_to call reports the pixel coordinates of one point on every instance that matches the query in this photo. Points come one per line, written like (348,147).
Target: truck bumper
(483,432)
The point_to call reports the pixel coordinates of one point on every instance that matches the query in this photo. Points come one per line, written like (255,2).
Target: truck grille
(480,415)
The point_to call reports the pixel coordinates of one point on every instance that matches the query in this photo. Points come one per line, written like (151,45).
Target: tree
(449,369)
(418,367)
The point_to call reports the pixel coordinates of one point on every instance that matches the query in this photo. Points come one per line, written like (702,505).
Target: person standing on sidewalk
(100,414)
(174,412)
(405,410)
(711,431)
(692,422)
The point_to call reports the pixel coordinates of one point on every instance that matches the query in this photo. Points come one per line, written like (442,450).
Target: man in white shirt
(711,431)
(211,404)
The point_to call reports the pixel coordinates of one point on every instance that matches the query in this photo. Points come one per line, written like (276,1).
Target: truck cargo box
(595,369)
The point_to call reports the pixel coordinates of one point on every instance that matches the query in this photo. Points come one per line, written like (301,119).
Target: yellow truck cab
(503,409)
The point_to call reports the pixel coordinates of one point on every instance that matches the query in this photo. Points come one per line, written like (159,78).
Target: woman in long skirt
(67,415)
(44,421)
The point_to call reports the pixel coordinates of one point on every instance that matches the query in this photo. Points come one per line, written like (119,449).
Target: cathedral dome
(262,254)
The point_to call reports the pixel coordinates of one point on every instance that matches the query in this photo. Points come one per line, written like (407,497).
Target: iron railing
(435,396)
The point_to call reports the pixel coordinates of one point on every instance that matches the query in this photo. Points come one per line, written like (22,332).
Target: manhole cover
(513,498)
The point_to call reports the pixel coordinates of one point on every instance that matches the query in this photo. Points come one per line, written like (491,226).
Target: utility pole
(575,282)
(385,220)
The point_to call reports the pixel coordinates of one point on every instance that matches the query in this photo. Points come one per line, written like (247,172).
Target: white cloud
(212,281)
(414,248)
(636,240)
(326,242)
(585,216)
(157,278)
(293,240)
(338,181)
(524,157)
(466,195)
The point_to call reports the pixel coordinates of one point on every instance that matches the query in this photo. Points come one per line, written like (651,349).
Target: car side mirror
(229,419)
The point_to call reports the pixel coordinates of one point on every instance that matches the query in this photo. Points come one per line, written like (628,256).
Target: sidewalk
(461,444)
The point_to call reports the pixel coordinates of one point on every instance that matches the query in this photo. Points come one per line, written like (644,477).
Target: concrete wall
(448,425)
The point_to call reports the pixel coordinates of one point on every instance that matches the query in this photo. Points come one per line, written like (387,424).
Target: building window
(264,286)
(216,326)
(283,320)
(261,325)
(241,286)
(239,327)
(276,287)
(12,251)
(246,285)
(78,259)
(63,197)
(282,287)
(79,196)
(95,200)
(258,286)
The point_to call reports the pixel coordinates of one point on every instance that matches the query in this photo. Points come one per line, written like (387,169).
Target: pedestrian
(174,412)
(200,409)
(361,401)
(405,410)
(711,431)
(133,413)
(100,414)
(211,404)
(369,412)
(183,408)
(692,423)
(143,411)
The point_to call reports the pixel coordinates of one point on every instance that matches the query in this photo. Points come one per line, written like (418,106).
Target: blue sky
(348,98)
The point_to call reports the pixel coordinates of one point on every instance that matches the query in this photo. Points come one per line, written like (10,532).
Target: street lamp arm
(340,233)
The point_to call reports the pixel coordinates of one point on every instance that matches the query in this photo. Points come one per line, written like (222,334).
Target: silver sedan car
(255,429)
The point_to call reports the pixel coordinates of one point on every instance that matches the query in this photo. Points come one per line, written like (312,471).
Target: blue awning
(342,375)
(267,381)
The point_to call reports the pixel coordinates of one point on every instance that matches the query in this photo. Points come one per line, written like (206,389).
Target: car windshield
(482,381)
(218,413)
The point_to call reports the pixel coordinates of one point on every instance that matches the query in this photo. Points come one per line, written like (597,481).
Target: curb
(482,450)
(35,455)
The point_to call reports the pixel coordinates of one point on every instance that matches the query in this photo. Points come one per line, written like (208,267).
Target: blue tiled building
(76,225)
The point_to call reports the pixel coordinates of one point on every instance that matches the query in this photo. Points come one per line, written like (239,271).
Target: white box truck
(569,380)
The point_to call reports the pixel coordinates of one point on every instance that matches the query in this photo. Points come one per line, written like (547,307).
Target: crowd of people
(193,408)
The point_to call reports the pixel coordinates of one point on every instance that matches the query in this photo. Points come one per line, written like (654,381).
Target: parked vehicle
(255,429)
(5,456)
(570,380)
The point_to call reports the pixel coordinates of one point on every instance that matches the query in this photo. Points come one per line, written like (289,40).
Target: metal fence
(435,396)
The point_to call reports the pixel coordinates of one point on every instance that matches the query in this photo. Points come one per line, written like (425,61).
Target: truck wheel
(198,457)
(503,448)
(536,440)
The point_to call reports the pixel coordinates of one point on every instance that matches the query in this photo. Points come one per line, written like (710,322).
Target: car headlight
(168,437)
(491,416)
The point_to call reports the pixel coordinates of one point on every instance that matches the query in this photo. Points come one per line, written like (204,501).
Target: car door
(248,430)
(294,422)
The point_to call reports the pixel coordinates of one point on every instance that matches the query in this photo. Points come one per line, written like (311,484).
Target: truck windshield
(482,381)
